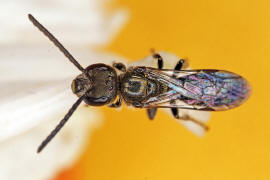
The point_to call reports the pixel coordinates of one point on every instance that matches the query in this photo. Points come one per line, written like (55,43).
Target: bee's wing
(170,60)
(202,89)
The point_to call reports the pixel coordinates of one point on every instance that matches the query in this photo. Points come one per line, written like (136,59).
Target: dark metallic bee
(151,88)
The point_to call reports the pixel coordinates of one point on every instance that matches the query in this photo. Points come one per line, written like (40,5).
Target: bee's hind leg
(186,117)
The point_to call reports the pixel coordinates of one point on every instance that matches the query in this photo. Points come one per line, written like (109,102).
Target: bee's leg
(179,65)
(120,67)
(151,113)
(117,104)
(159,59)
(188,118)
(175,111)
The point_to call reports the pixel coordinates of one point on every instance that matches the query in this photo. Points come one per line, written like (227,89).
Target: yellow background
(231,35)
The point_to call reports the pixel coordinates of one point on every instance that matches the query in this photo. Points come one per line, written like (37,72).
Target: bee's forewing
(170,60)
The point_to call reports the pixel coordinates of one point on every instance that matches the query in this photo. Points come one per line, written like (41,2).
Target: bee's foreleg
(120,67)
(117,104)
(151,113)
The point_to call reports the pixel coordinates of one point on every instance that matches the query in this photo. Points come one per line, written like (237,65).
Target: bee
(151,88)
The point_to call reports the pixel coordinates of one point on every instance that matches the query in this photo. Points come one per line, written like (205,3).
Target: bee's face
(99,83)
(81,84)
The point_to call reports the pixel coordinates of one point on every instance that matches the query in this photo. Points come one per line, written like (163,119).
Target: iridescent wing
(202,89)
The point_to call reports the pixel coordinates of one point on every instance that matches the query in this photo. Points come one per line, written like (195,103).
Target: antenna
(61,124)
(56,42)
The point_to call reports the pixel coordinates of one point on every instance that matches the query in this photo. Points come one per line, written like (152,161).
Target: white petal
(19,159)
(78,22)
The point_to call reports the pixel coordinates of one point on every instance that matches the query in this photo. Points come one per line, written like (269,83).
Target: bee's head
(98,82)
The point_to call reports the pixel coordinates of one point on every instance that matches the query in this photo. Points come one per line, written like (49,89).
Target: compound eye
(73,86)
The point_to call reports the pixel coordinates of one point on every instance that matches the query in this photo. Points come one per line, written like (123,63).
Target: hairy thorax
(136,88)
